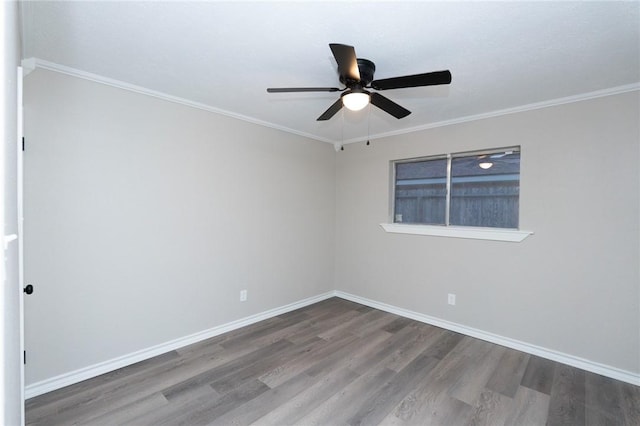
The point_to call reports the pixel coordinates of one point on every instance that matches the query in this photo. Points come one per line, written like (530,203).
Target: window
(473,189)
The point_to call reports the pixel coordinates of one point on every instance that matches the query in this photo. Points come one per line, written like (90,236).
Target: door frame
(20,209)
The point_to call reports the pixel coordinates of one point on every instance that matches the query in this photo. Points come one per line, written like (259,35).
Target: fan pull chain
(368,124)
(342,131)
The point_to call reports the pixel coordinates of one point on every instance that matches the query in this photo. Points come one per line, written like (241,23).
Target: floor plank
(630,402)
(529,407)
(567,405)
(308,400)
(474,380)
(539,374)
(490,408)
(508,374)
(603,400)
(387,395)
(266,402)
(344,404)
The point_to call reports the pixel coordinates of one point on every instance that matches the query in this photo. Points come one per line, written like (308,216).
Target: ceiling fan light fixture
(356,74)
(355,101)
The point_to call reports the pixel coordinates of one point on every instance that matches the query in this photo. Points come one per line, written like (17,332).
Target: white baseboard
(95,370)
(91,371)
(574,361)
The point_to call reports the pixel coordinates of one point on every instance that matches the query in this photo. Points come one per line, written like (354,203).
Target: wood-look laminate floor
(338,363)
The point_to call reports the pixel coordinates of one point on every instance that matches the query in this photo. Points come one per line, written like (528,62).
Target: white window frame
(447,230)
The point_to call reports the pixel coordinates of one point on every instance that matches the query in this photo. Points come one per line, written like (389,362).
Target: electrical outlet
(452,299)
(243,295)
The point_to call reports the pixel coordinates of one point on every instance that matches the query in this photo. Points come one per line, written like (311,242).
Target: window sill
(493,234)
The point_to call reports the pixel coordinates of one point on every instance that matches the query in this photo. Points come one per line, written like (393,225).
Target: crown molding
(522,108)
(30,64)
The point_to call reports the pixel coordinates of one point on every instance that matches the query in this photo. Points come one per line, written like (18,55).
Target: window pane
(485,190)
(420,192)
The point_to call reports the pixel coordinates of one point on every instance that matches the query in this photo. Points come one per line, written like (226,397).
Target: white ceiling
(223,55)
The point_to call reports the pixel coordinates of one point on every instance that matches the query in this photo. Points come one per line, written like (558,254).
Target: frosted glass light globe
(355,101)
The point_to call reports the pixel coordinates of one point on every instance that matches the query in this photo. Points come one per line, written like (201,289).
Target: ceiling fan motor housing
(367,69)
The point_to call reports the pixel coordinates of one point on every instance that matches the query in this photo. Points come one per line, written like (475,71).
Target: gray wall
(10,357)
(572,287)
(144,219)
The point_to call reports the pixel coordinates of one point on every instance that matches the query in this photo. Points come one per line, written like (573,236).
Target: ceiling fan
(357,75)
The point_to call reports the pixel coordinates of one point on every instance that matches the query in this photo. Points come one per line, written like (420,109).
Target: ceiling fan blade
(302,89)
(417,80)
(389,106)
(347,61)
(333,109)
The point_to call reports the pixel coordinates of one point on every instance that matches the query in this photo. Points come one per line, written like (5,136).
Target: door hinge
(25,356)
